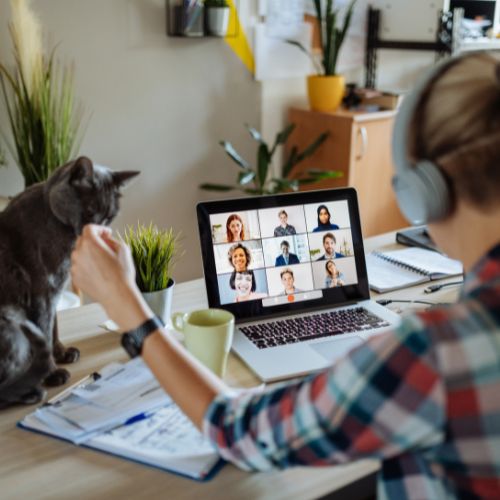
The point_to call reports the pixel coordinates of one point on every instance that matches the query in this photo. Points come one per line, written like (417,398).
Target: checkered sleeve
(384,398)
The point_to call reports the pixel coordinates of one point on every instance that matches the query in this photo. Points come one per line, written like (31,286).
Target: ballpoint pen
(91,377)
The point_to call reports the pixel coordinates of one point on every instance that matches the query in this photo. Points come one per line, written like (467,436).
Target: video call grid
(260,240)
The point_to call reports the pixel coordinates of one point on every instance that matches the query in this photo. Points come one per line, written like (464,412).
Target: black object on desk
(416,237)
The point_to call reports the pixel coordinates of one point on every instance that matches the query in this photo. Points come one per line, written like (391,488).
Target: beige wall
(152,103)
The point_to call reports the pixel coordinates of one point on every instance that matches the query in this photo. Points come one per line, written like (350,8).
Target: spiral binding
(396,262)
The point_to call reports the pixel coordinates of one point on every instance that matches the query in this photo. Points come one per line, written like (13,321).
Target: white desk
(34,466)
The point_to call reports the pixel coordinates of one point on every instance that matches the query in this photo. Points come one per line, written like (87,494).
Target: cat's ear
(123,177)
(82,173)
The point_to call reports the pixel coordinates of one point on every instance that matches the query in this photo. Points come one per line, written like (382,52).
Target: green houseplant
(154,252)
(326,88)
(216,17)
(259,180)
(38,96)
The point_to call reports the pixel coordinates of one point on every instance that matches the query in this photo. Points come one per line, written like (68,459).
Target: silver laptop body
(257,260)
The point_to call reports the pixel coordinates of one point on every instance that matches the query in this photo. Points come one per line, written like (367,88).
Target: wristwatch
(133,339)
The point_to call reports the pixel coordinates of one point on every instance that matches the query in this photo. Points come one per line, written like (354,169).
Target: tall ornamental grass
(38,96)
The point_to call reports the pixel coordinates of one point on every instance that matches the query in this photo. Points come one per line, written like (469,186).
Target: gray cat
(38,230)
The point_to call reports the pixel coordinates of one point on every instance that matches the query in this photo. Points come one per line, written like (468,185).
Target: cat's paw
(66,355)
(33,396)
(58,377)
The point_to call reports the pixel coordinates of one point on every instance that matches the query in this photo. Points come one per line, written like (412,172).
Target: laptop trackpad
(334,349)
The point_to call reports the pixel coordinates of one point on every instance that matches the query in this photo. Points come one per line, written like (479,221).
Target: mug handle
(178,321)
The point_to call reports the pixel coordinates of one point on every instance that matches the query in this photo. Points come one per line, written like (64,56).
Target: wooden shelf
(359,146)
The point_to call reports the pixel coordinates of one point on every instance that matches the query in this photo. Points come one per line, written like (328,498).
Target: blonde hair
(457,126)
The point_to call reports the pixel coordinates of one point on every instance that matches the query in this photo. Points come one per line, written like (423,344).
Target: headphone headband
(421,189)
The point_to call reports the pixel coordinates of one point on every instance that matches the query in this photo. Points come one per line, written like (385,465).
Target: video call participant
(329,242)
(239,257)
(425,402)
(324,223)
(235,231)
(288,282)
(245,285)
(333,276)
(286,257)
(284,229)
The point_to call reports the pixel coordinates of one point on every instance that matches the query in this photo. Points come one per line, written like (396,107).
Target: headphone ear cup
(422,193)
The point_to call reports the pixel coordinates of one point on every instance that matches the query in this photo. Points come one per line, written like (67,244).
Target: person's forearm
(189,383)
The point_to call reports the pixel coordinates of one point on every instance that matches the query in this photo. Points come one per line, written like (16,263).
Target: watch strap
(133,340)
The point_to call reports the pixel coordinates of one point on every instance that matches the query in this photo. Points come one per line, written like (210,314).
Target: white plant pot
(217,20)
(160,302)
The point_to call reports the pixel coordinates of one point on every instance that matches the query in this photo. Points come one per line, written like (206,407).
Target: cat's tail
(20,341)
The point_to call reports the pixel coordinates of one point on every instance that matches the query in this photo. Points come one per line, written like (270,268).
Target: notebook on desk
(292,269)
(388,271)
(124,412)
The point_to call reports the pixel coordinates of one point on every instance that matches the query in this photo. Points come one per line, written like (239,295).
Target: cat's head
(80,193)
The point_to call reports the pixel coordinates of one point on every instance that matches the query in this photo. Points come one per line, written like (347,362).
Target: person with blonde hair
(424,398)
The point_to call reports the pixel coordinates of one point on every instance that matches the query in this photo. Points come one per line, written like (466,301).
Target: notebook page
(385,276)
(431,262)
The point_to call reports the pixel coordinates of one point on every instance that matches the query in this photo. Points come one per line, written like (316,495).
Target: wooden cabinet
(359,145)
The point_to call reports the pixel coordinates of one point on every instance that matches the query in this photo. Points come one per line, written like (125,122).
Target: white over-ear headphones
(421,189)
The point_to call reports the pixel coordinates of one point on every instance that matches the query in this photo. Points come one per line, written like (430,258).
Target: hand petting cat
(103,268)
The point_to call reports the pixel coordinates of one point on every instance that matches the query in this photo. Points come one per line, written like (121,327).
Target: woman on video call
(244,283)
(333,276)
(235,230)
(422,399)
(324,223)
(239,257)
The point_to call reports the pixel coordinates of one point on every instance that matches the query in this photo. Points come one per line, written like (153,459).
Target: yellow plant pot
(325,92)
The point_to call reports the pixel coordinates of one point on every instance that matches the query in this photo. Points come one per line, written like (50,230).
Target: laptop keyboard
(299,329)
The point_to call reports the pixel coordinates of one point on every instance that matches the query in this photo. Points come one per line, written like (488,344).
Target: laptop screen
(272,254)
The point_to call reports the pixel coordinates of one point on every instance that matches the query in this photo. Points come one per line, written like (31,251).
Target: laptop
(291,268)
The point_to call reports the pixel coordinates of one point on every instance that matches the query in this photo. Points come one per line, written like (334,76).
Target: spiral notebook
(397,269)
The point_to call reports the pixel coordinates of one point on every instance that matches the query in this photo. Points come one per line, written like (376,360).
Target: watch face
(128,343)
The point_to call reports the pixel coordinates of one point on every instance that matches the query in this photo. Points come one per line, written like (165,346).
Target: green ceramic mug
(208,335)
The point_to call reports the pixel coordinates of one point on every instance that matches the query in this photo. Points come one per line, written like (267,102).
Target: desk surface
(34,466)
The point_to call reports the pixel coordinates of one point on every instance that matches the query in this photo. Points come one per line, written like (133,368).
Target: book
(417,236)
(397,269)
(120,411)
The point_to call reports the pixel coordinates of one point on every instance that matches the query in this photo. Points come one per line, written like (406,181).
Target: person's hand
(103,268)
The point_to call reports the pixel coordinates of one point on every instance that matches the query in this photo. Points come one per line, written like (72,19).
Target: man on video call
(286,257)
(329,243)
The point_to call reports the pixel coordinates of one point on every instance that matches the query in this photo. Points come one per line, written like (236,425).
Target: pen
(138,418)
(92,377)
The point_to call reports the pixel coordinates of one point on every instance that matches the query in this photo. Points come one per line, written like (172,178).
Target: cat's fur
(38,230)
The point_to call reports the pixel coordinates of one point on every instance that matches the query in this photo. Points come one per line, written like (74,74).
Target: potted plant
(259,179)
(217,17)
(154,252)
(326,89)
(38,97)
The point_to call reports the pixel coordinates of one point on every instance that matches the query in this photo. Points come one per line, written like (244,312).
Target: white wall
(152,103)
(396,70)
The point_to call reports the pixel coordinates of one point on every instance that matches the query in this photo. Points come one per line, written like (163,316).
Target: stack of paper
(126,412)
(122,392)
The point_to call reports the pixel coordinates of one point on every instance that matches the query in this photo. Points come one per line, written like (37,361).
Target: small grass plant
(154,252)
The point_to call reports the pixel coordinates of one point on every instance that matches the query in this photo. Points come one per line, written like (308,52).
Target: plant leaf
(254,133)
(325,174)
(234,155)
(287,167)
(285,184)
(312,147)
(281,138)
(246,177)
(216,187)
(263,164)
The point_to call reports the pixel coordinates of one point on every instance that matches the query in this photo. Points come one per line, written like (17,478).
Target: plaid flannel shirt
(424,399)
